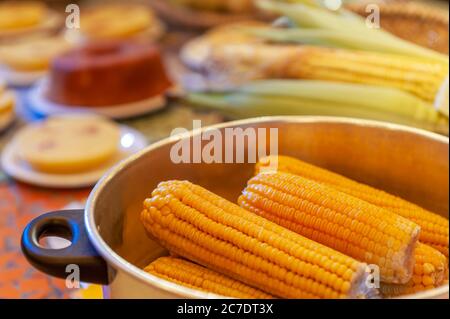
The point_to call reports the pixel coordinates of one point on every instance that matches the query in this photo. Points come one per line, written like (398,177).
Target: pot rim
(119,263)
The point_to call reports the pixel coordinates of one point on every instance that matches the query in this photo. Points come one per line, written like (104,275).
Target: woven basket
(418,23)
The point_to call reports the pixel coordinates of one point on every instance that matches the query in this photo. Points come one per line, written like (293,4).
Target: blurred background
(124,74)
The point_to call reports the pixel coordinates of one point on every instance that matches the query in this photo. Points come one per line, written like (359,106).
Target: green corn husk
(291,97)
(313,3)
(311,17)
(442,99)
(321,37)
(383,99)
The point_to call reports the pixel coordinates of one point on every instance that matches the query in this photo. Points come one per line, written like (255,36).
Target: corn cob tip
(345,223)
(430,271)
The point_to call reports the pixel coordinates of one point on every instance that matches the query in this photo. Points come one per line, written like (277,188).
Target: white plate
(40,104)
(20,78)
(131,141)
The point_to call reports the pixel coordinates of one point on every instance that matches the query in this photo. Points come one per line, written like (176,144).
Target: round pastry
(202,14)
(21,14)
(235,6)
(32,54)
(107,74)
(68,144)
(26,18)
(120,21)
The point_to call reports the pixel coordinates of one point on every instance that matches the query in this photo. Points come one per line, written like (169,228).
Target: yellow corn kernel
(434,228)
(420,77)
(205,228)
(194,276)
(430,271)
(345,223)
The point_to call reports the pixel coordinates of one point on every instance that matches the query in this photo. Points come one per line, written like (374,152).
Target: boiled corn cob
(420,77)
(434,228)
(345,223)
(205,228)
(194,276)
(430,271)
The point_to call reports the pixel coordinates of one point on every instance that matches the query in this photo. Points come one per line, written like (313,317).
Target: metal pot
(109,243)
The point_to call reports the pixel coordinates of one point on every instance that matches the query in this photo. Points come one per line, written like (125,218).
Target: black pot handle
(79,257)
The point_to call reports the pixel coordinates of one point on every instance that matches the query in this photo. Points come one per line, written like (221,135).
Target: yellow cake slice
(68,144)
(21,14)
(120,21)
(33,54)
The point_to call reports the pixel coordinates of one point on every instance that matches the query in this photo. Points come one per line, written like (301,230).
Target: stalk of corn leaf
(385,99)
(430,271)
(207,229)
(352,226)
(307,16)
(434,228)
(239,106)
(194,276)
(313,3)
(322,37)
(243,105)
(310,17)
(283,97)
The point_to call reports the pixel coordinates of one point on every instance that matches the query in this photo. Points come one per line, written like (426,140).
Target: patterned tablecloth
(19,203)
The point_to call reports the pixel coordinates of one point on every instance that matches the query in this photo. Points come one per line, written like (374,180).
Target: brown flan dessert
(107,74)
